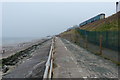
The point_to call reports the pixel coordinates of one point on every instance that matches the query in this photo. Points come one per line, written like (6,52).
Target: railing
(49,63)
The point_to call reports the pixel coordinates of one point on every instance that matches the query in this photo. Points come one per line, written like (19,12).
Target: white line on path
(38,64)
(34,68)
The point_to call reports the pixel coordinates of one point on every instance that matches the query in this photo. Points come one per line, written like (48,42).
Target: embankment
(95,43)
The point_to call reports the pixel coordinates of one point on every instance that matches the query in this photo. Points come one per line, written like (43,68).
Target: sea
(10,40)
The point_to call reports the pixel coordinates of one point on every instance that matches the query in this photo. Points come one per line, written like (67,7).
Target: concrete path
(65,64)
(72,61)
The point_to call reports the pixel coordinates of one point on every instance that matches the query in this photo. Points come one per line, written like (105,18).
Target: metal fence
(109,39)
(49,64)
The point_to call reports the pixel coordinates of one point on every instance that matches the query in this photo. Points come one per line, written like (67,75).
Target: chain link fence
(107,39)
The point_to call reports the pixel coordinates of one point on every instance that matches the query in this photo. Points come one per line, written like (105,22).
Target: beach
(11,49)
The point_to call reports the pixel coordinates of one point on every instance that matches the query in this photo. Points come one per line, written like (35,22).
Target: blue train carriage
(96,18)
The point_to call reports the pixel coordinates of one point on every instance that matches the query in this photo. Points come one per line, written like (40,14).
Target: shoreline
(11,49)
(27,56)
(11,62)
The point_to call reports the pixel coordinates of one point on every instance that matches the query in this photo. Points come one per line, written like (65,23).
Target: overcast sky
(23,19)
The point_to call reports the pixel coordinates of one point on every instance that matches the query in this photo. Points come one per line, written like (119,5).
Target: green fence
(110,39)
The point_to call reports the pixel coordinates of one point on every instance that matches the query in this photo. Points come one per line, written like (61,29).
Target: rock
(5,69)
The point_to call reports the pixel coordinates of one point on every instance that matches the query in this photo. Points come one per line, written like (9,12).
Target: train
(93,19)
(96,18)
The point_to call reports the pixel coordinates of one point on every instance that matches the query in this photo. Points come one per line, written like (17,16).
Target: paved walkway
(66,66)
(71,61)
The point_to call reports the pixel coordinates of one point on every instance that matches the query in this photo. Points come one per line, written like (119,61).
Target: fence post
(100,44)
(86,41)
(106,40)
(85,33)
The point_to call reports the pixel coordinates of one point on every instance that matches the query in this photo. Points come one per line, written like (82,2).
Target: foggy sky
(20,19)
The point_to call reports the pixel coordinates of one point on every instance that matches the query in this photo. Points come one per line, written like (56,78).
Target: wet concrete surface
(32,66)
